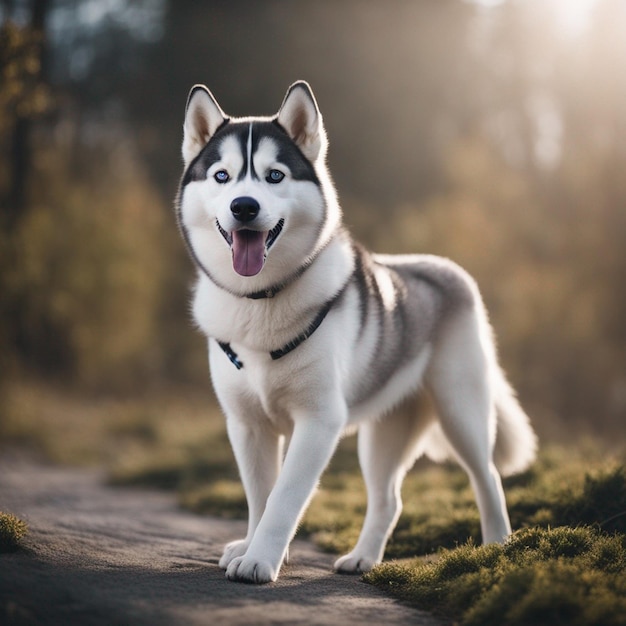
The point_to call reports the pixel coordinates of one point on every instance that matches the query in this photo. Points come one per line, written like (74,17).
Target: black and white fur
(261,219)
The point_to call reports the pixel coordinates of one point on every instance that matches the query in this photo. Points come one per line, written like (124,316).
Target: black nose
(244,209)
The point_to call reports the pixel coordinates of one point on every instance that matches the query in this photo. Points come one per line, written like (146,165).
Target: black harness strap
(293,344)
(231,354)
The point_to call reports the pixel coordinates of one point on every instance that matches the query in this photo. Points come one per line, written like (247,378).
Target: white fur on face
(299,203)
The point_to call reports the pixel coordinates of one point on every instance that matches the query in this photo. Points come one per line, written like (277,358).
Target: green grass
(12,531)
(564,575)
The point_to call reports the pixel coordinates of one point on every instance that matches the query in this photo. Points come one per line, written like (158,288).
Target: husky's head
(255,201)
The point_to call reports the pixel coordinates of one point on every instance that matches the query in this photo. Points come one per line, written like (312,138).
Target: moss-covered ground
(12,531)
(552,576)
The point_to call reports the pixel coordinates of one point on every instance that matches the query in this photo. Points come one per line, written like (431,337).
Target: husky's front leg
(314,440)
(258,452)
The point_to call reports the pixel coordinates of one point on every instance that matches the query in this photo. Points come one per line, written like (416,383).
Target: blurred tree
(24,96)
(84,270)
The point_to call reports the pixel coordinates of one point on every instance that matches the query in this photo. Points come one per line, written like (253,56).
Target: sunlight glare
(574,16)
(486,3)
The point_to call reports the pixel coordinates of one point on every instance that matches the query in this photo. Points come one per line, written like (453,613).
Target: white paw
(354,564)
(251,570)
(232,550)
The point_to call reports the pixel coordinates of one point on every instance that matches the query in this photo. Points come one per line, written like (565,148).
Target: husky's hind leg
(387,450)
(460,379)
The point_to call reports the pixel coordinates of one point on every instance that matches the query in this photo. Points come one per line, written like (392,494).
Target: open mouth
(272,236)
(249,247)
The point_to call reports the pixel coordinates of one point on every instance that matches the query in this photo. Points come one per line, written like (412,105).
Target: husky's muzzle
(249,247)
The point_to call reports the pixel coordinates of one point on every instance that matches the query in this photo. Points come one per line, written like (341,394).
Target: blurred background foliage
(490,131)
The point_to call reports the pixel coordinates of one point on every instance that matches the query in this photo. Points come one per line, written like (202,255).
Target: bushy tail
(516,442)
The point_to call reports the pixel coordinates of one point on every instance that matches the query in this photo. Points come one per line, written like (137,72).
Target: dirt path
(98,555)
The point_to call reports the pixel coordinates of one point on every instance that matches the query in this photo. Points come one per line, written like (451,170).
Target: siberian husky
(310,334)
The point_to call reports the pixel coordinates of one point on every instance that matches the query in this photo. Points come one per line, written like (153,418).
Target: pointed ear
(300,116)
(203,116)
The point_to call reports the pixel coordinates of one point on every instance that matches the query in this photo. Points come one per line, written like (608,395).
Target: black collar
(270,292)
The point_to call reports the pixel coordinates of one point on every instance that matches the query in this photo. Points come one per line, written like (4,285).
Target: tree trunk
(21,150)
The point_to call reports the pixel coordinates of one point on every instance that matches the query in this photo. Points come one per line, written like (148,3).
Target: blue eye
(221,176)
(274,176)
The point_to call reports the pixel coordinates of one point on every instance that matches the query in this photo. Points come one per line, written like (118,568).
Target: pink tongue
(248,251)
